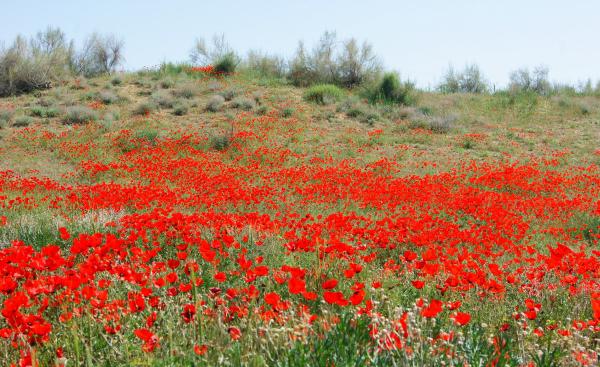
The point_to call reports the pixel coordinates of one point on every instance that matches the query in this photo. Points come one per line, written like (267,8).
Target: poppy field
(298,236)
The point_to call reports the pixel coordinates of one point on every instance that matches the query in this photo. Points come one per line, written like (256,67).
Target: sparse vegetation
(215,103)
(243,103)
(80,115)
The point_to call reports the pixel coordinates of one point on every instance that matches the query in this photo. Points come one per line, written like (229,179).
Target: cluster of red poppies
(195,230)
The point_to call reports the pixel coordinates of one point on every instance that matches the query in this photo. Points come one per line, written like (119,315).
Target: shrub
(228,94)
(167,83)
(80,115)
(326,64)
(323,94)
(145,108)
(163,98)
(391,90)
(44,112)
(215,103)
(204,54)
(441,124)
(37,64)
(226,64)
(287,112)
(101,54)
(470,80)
(265,65)
(108,97)
(22,121)
(6,117)
(220,142)
(186,91)
(262,110)
(116,80)
(146,135)
(243,103)
(523,80)
(180,108)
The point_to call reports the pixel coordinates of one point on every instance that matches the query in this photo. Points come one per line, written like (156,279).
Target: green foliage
(347,344)
(323,94)
(44,112)
(80,115)
(226,64)
(116,80)
(391,90)
(220,142)
(287,112)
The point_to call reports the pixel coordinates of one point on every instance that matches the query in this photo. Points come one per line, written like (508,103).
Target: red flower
(330,284)
(234,333)
(64,234)
(200,349)
(434,308)
(461,318)
(296,285)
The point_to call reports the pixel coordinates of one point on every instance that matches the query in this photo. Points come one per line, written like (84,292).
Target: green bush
(323,94)
(226,64)
(116,80)
(45,112)
(80,115)
(391,90)
(220,142)
(145,108)
(287,112)
(215,103)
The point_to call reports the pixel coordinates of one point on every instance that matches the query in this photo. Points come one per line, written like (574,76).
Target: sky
(419,39)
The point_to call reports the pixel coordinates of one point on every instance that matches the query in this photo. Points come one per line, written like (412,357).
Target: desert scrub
(180,108)
(80,115)
(215,103)
(108,97)
(163,98)
(229,94)
(145,108)
(186,91)
(44,112)
(22,121)
(5,117)
(323,94)
(116,80)
(166,83)
(243,103)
